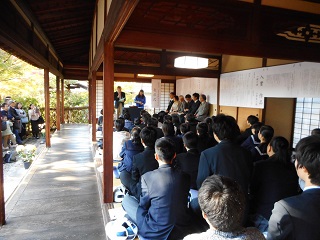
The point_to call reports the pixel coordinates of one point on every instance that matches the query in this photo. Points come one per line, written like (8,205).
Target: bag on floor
(8,157)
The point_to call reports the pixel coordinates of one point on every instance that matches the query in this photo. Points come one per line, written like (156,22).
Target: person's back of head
(167,118)
(266,132)
(127,116)
(184,128)
(190,140)
(176,98)
(148,136)
(280,147)
(152,122)
(119,124)
(225,127)
(315,131)
(255,128)
(135,135)
(175,119)
(161,115)
(202,129)
(137,121)
(168,129)
(222,202)
(143,111)
(101,111)
(145,117)
(252,119)
(190,118)
(308,156)
(165,149)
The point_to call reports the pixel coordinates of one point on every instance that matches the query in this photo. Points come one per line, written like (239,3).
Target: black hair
(161,115)
(225,127)
(149,136)
(139,93)
(308,156)
(143,111)
(145,117)
(152,122)
(172,93)
(165,148)
(190,140)
(252,119)
(267,132)
(168,129)
(190,117)
(3,104)
(175,119)
(176,98)
(137,121)
(315,131)
(256,126)
(196,95)
(127,116)
(188,96)
(202,129)
(184,128)
(135,135)
(167,118)
(280,147)
(203,96)
(223,202)
(119,124)
(101,111)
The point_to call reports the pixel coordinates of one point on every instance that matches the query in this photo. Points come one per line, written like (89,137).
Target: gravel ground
(14,172)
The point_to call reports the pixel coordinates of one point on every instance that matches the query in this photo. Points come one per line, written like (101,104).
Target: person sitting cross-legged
(223,205)
(162,212)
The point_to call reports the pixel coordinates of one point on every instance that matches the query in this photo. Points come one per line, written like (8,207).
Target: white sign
(156,92)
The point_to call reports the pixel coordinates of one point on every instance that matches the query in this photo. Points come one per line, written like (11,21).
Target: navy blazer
(189,162)
(194,107)
(226,159)
(296,217)
(271,182)
(163,202)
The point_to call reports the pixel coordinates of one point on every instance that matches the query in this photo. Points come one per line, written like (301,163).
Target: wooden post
(2,203)
(58,115)
(62,100)
(47,106)
(108,81)
(94,105)
(90,101)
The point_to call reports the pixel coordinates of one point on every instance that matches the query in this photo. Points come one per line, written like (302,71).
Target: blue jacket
(140,99)
(129,149)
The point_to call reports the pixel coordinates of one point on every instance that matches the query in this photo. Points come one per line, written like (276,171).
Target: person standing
(140,99)
(15,118)
(34,115)
(119,98)
(24,119)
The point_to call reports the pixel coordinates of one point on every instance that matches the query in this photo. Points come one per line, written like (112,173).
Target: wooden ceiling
(160,30)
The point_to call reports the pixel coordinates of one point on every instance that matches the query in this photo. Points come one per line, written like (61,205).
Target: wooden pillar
(108,81)
(58,115)
(62,100)
(2,203)
(94,105)
(47,106)
(90,101)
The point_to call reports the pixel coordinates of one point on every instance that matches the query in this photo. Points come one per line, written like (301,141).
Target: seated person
(100,121)
(162,212)
(119,138)
(168,131)
(188,162)
(222,203)
(203,110)
(315,131)
(153,122)
(265,135)
(204,140)
(272,180)
(298,217)
(141,163)
(192,122)
(247,133)
(129,149)
(176,106)
(209,122)
(176,123)
(196,103)
(128,124)
(253,140)
(184,128)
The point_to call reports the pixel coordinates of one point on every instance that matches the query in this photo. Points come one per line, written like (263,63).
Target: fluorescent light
(191,62)
(145,75)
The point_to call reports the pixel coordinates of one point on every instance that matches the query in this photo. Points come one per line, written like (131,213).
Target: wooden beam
(2,202)
(108,109)
(47,106)
(58,111)
(62,100)
(93,106)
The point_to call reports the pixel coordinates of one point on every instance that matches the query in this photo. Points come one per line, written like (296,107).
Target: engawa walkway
(59,197)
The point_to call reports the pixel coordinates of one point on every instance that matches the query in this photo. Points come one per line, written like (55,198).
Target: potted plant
(26,154)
